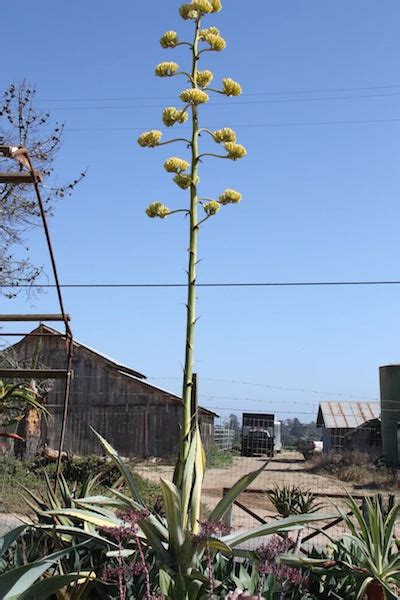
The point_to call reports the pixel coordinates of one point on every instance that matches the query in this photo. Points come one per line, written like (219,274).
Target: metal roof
(346,415)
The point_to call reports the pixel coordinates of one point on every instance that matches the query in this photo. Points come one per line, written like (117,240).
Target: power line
(239,103)
(249,125)
(269,386)
(209,284)
(271,93)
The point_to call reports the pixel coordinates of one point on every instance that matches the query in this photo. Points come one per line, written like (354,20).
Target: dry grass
(352,466)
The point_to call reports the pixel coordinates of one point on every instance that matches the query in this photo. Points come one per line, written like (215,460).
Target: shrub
(219,459)
(15,473)
(353,466)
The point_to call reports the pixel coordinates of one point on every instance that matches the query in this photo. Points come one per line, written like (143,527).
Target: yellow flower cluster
(212,37)
(166,69)
(203,7)
(193,96)
(204,78)
(212,207)
(176,165)
(216,5)
(169,39)
(198,8)
(235,151)
(224,135)
(230,197)
(208,31)
(187,12)
(172,115)
(149,139)
(231,87)
(156,209)
(183,181)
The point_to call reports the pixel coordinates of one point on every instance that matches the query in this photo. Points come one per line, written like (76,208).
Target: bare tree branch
(21,124)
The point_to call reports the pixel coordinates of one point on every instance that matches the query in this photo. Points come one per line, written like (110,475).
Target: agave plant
(39,578)
(292,500)
(183,557)
(368,552)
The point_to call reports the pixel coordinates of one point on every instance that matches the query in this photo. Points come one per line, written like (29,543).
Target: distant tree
(233,422)
(21,124)
(293,430)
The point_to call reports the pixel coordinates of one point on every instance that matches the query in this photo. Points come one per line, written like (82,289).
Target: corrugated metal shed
(346,415)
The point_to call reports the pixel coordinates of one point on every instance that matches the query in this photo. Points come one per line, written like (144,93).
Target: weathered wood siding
(137,418)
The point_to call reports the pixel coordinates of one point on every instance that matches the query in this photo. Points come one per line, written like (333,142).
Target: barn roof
(346,415)
(107,359)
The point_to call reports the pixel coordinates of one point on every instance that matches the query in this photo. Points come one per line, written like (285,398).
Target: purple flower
(267,555)
(128,529)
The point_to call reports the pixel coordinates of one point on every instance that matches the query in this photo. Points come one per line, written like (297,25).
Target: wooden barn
(137,418)
(340,420)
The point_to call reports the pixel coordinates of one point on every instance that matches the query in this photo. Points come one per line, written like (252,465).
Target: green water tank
(389,376)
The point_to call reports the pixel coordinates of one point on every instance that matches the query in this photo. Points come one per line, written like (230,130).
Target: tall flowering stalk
(186,177)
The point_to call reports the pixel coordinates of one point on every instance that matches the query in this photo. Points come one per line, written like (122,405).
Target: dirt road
(288,467)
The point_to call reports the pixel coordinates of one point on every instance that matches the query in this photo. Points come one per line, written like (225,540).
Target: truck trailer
(258,434)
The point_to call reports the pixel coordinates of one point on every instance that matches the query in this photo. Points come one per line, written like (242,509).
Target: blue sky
(320,192)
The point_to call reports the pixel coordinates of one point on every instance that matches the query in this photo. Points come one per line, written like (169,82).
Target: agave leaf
(172,505)
(157,526)
(156,541)
(37,499)
(120,553)
(98,501)
(229,498)
(166,583)
(65,492)
(287,524)
(126,500)
(17,581)
(187,481)
(88,516)
(10,537)
(77,532)
(123,469)
(200,467)
(218,545)
(90,484)
(47,587)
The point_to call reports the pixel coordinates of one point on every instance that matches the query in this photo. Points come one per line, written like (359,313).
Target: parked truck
(259,431)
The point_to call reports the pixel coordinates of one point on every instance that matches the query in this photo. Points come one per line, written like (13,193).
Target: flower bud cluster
(203,7)
(230,197)
(176,165)
(203,33)
(149,139)
(235,151)
(216,5)
(211,208)
(166,69)
(214,40)
(169,39)
(231,87)
(156,209)
(198,8)
(172,115)
(224,135)
(193,96)
(204,78)
(183,181)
